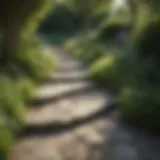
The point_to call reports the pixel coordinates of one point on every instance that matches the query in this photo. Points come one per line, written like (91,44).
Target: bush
(11,100)
(34,64)
(90,52)
(146,42)
(6,138)
(139,97)
(85,49)
(133,81)
(11,112)
(141,106)
(112,29)
(19,71)
(72,44)
(26,87)
(17,81)
(105,71)
(29,62)
(12,109)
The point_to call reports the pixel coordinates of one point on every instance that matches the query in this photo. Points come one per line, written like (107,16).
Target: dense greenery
(135,76)
(22,64)
(72,17)
(61,19)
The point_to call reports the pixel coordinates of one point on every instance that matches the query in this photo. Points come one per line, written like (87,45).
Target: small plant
(105,71)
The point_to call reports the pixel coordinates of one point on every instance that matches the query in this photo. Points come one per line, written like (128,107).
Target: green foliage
(139,96)
(91,7)
(61,19)
(33,62)
(111,30)
(90,52)
(141,106)
(22,64)
(105,71)
(75,16)
(134,75)
(134,81)
(27,88)
(16,92)
(35,15)
(6,138)
(28,62)
(11,99)
(17,82)
(72,44)
(147,42)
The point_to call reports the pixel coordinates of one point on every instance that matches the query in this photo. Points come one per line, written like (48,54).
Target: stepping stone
(53,91)
(68,110)
(68,65)
(71,69)
(72,76)
(61,59)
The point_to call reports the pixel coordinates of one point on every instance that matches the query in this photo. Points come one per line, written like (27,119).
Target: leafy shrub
(87,50)
(11,100)
(26,87)
(117,70)
(35,64)
(29,62)
(139,96)
(133,81)
(141,106)
(91,52)
(72,44)
(17,82)
(105,71)
(6,138)
(12,108)
(110,31)
(147,42)
(19,71)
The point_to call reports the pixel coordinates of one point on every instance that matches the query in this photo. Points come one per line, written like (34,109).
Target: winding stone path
(73,120)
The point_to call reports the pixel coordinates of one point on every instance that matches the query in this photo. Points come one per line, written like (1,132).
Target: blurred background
(118,40)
